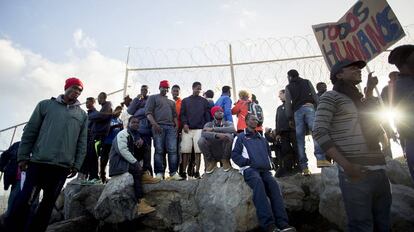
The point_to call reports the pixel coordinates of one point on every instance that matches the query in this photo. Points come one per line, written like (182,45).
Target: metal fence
(259,66)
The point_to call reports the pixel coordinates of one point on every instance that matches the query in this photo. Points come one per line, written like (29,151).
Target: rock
(225,204)
(80,200)
(331,205)
(402,208)
(398,173)
(78,224)
(117,202)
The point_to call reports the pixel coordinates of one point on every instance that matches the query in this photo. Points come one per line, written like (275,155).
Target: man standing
(52,149)
(161,113)
(251,153)
(349,134)
(301,101)
(194,115)
(101,126)
(224,102)
(216,141)
(285,136)
(403,58)
(89,169)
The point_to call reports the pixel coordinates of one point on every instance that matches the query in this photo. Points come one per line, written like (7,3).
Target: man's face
(322,88)
(101,99)
(164,91)
(252,122)
(197,90)
(134,124)
(144,91)
(73,92)
(175,92)
(219,114)
(282,96)
(90,104)
(350,74)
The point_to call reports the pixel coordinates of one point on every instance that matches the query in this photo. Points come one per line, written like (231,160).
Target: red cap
(73,81)
(164,84)
(214,109)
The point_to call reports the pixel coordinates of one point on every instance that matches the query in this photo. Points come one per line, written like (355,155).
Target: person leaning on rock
(125,158)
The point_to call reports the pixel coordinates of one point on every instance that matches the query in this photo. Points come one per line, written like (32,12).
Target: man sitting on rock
(216,140)
(124,157)
(251,153)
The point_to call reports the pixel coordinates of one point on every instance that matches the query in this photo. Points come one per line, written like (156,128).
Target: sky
(44,42)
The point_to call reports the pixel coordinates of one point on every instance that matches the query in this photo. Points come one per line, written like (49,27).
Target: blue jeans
(409,152)
(266,188)
(167,139)
(304,118)
(367,201)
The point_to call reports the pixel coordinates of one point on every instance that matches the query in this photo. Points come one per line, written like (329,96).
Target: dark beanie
(400,54)
(293,73)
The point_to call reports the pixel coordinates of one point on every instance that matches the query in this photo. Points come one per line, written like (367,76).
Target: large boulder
(331,205)
(78,224)
(402,208)
(219,202)
(80,199)
(398,173)
(117,202)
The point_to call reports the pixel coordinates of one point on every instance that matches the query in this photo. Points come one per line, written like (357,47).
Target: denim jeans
(367,201)
(304,118)
(166,140)
(265,188)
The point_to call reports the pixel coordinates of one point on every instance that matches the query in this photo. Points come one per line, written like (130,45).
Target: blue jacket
(251,150)
(225,102)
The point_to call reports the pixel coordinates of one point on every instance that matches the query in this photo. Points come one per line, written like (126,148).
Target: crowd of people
(62,140)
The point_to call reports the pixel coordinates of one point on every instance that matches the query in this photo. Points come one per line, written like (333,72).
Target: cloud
(27,78)
(83,41)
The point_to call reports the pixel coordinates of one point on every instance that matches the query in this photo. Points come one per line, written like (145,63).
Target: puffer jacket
(55,134)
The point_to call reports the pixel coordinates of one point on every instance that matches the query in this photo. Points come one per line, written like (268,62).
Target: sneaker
(159,176)
(144,208)
(176,176)
(183,175)
(323,163)
(287,229)
(148,179)
(306,172)
(197,175)
(226,165)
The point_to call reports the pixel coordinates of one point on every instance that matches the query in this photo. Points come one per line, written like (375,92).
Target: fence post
(233,82)
(126,73)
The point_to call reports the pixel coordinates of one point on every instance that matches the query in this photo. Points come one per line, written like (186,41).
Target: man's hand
(139,143)
(208,129)
(355,171)
(157,128)
(23,165)
(186,129)
(292,124)
(278,138)
(72,172)
(372,81)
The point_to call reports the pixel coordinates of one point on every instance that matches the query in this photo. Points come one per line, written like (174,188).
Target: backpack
(256,110)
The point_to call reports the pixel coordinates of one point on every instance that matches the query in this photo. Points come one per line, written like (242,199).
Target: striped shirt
(337,124)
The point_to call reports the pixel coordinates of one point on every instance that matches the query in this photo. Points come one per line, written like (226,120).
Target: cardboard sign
(366,30)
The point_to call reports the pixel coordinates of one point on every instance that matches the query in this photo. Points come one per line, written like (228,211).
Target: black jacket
(8,165)
(299,92)
(101,120)
(282,121)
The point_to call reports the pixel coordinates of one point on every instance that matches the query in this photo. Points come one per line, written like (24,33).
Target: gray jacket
(120,155)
